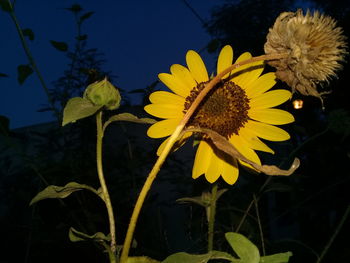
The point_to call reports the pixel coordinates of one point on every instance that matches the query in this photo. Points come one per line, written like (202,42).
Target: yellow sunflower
(238,108)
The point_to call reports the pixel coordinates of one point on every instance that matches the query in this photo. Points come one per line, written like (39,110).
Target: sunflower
(238,108)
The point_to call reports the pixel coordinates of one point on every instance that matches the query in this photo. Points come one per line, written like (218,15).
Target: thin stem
(172,139)
(212,211)
(259,224)
(31,59)
(101,178)
(336,232)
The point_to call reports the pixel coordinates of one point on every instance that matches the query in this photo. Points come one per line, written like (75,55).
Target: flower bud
(103,93)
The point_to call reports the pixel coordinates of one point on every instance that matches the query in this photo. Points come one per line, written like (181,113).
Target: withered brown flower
(314,45)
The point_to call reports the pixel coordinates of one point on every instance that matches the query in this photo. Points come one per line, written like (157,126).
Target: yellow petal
(202,159)
(267,131)
(247,152)
(165,111)
(164,97)
(271,116)
(196,66)
(183,75)
(225,59)
(230,171)
(250,73)
(261,85)
(253,142)
(176,86)
(215,168)
(270,99)
(181,142)
(163,128)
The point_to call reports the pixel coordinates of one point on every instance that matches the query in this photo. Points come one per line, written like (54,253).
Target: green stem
(101,178)
(211,218)
(172,139)
(336,232)
(31,59)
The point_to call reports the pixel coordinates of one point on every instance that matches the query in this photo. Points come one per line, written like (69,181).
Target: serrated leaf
(78,108)
(76,236)
(243,247)
(3,75)
(27,32)
(276,258)
(128,117)
(203,258)
(23,71)
(86,16)
(53,191)
(60,46)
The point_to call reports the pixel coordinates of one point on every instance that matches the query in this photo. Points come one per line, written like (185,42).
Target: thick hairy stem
(211,221)
(101,178)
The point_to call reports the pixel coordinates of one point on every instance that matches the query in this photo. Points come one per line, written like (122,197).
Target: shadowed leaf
(141,260)
(128,117)
(76,236)
(5,6)
(60,46)
(224,145)
(27,32)
(4,125)
(3,75)
(53,191)
(276,258)
(78,108)
(24,71)
(189,258)
(86,16)
(245,250)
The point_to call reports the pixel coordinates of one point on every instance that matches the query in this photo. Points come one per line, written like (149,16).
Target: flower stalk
(172,140)
(211,218)
(104,188)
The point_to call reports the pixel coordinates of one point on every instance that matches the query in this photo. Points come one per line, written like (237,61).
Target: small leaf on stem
(78,108)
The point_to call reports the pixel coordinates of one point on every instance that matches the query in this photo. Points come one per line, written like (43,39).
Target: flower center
(224,109)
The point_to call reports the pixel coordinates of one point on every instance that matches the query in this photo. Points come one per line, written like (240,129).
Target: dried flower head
(315,48)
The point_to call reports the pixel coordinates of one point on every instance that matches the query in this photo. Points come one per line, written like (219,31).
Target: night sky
(138,38)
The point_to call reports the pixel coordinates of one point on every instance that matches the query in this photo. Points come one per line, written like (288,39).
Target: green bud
(103,93)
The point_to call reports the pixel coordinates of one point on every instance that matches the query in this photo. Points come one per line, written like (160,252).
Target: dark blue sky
(139,39)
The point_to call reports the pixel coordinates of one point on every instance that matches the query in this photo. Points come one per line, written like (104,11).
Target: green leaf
(76,236)
(78,108)
(24,71)
(86,16)
(3,75)
(53,191)
(27,32)
(203,258)
(60,46)
(276,258)
(128,117)
(245,250)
